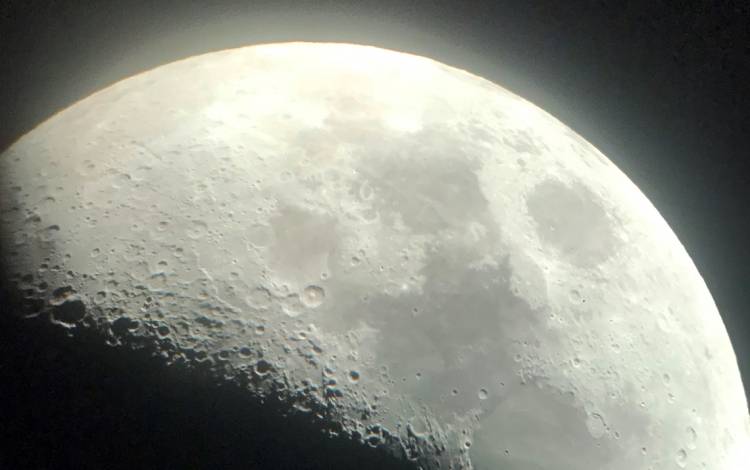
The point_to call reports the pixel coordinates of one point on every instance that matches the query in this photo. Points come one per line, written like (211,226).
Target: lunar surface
(407,253)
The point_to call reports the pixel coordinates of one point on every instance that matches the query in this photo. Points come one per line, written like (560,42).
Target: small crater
(209,322)
(123,325)
(374,440)
(61,294)
(49,233)
(596,425)
(313,296)
(263,367)
(333,392)
(692,437)
(260,298)
(70,311)
(681,458)
(33,219)
(197,230)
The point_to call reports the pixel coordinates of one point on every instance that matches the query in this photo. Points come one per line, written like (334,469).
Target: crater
(71,311)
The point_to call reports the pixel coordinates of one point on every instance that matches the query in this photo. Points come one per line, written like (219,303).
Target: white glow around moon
(396,245)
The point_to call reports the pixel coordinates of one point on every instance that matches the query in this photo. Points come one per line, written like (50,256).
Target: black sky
(660,87)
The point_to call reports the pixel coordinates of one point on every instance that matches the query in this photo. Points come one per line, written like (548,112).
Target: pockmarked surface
(403,251)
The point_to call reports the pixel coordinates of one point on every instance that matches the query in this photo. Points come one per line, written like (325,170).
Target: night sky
(661,89)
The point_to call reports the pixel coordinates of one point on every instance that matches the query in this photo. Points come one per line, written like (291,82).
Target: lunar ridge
(412,255)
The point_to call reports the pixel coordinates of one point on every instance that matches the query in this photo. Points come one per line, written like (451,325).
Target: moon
(405,251)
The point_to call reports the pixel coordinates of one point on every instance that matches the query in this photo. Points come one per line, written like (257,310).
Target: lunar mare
(407,252)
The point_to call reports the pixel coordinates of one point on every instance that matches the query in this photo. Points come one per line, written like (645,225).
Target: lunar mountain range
(410,254)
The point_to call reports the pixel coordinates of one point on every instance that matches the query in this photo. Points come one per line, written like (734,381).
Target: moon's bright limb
(399,246)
